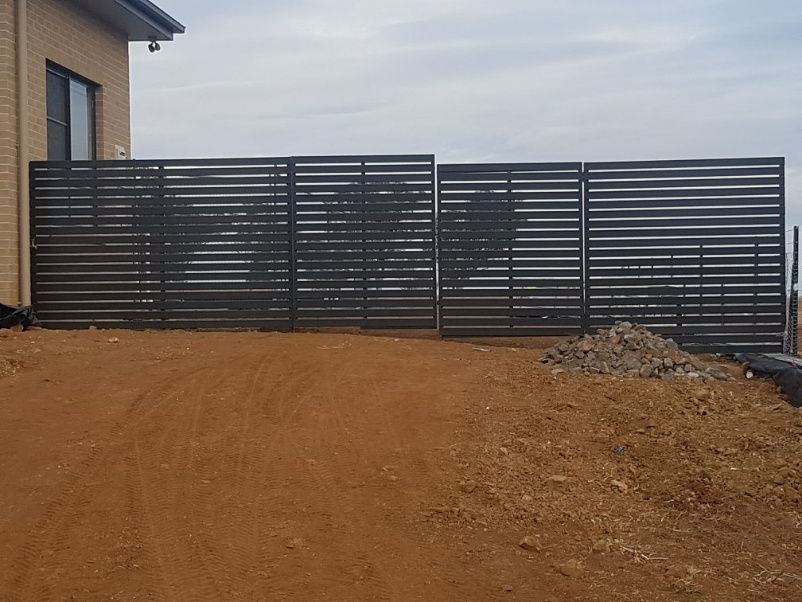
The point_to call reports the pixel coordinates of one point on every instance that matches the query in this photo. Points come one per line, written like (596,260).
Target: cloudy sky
(477,80)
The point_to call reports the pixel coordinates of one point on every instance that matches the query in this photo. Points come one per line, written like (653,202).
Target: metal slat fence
(510,238)
(162,244)
(693,249)
(364,241)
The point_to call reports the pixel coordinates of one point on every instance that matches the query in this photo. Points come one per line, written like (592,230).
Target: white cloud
(477,80)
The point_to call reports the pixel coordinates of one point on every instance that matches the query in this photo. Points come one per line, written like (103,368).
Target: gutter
(23,153)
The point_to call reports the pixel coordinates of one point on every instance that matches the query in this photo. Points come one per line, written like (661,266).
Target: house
(64,95)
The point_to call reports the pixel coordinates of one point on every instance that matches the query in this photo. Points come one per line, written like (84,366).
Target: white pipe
(23,153)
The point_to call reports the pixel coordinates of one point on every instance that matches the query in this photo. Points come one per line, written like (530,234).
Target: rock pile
(630,351)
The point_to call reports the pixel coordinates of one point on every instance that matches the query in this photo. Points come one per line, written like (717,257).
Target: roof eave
(166,25)
(140,20)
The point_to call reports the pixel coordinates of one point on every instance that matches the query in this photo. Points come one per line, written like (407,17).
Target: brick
(61,32)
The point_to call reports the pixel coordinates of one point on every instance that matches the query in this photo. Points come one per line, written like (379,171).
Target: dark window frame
(92,90)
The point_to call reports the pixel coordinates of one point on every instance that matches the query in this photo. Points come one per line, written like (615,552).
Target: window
(70,116)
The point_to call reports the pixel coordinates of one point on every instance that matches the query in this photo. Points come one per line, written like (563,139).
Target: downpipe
(23,153)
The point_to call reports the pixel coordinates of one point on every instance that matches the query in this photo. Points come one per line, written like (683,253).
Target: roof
(140,19)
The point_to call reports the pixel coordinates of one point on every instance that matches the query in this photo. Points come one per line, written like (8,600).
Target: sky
(477,80)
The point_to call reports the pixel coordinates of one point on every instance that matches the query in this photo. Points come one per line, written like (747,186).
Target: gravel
(630,351)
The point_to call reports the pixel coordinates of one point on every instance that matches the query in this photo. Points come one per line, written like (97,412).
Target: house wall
(9,260)
(71,37)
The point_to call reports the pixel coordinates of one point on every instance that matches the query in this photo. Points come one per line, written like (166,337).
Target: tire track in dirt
(50,532)
(267,469)
(317,483)
(346,462)
(218,569)
(228,470)
(272,464)
(164,478)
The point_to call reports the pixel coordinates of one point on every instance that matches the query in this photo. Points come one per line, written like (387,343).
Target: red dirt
(193,466)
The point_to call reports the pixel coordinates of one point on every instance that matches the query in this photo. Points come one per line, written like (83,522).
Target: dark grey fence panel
(364,242)
(510,252)
(162,244)
(693,249)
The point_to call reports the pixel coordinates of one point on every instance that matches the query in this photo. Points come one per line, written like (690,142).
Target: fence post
(291,220)
(584,246)
(792,327)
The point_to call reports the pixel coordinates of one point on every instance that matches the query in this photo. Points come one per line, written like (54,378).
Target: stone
(601,546)
(620,485)
(570,569)
(114,340)
(530,544)
(630,351)
(557,479)
(468,486)
(702,394)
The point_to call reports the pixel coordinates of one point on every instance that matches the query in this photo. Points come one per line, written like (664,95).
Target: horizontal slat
(302,170)
(447,198)
(688,182)
(422,292)
(695,193)
(101,306)
(44,166)
(604,289)
(156,287)
(140,259)
(747,240)
(688,212)
(687,273)
(508,176)
(158,193)
(111,172)
(702,261)
(481,167)
(278,324)
(722,204)
(456,206)
(649,174)
(368,159)
(507,263)
(683,163)
(166,222)
(201,314)
(157,182)
(415,323)
(311,181)
(516,331)
(221,296)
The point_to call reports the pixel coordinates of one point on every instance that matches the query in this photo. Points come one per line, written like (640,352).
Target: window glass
(56,97)
(57,142)
(70,116)
(82,135)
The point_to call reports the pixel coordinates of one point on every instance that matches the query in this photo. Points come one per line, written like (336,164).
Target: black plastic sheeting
(17,316)
(786,371)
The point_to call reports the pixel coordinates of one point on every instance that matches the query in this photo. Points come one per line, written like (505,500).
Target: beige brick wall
(8,157)
(66,35)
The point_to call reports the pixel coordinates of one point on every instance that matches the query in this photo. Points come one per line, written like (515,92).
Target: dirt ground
(255,466)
